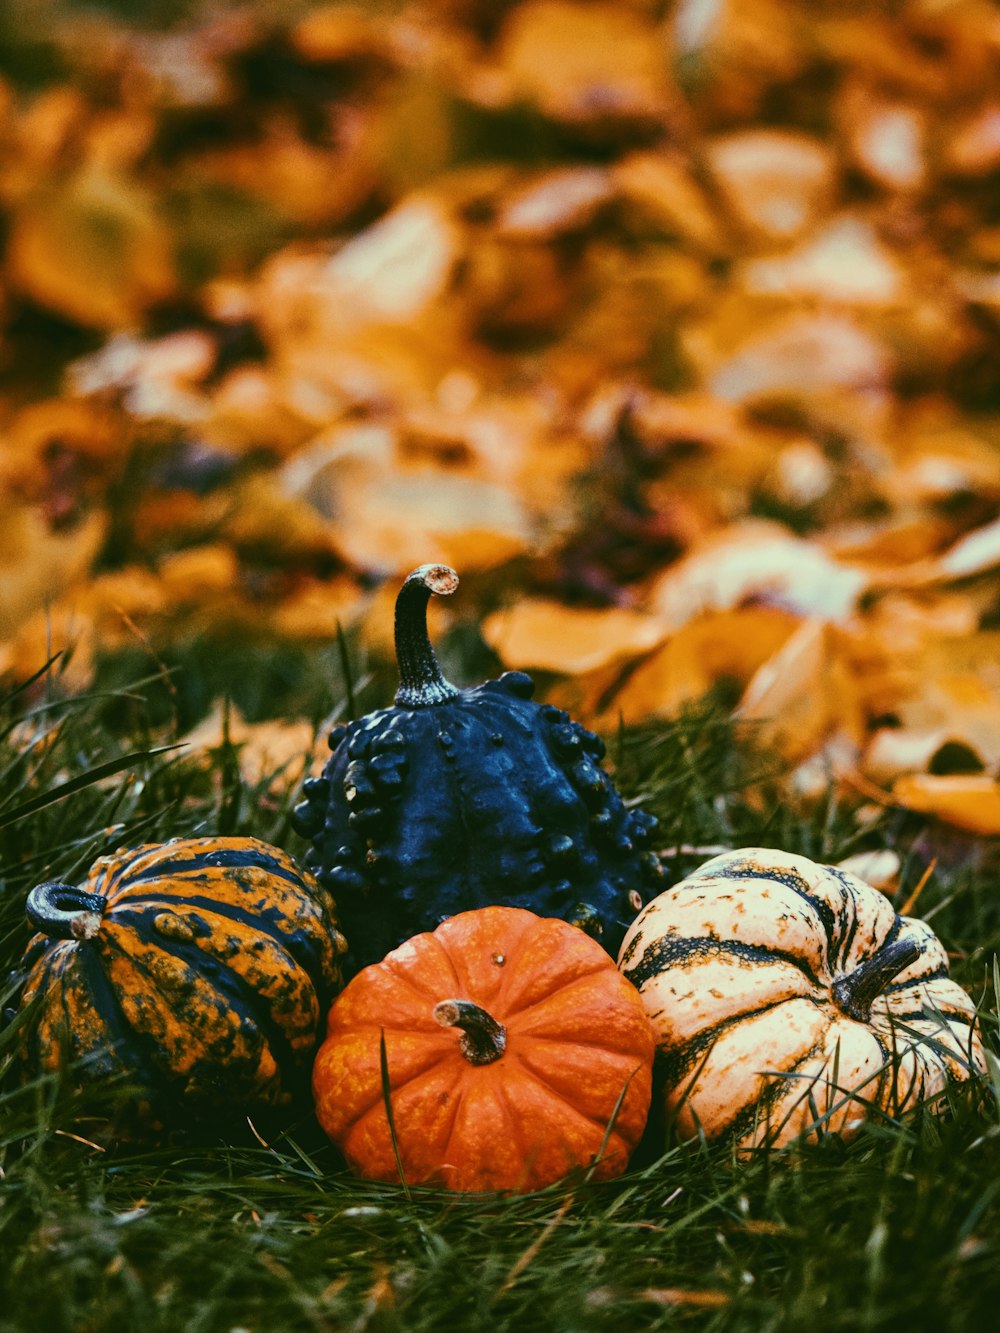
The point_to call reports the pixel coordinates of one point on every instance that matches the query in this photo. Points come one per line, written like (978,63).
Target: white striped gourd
(789,998)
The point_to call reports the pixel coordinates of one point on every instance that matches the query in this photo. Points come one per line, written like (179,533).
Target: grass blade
(87,779)
(383,1061)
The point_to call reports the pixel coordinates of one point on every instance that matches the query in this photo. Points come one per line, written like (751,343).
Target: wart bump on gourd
(454,799)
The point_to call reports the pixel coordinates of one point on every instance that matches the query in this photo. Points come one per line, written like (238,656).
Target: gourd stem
(64,912)
(856,992)
(483,1039)
(420,679)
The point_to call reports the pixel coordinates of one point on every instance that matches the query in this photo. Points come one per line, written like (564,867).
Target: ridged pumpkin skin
(203,977)
(576,1036)
(778,988)
(456,799)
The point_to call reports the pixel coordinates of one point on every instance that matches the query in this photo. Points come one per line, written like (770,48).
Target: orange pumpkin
(515,1051)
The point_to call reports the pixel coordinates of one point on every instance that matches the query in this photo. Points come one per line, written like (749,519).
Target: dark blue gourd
(455,799)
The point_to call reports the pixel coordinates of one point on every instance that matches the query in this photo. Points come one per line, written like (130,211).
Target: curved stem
(856,992)
(64,912)
(420,679)
(483,1039)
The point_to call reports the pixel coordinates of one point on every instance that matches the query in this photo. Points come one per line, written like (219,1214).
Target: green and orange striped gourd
(198,969)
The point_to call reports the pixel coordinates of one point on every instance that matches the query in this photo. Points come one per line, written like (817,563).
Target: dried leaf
(560,202)
(974,147)
(37,562)
(887,137)
(584,62)
(93,249)
(663,189)
(802,694)
(282,751)
(547,636)
(727,646)
(844,264)
(756,561)
(880,868)
(969,801)
(805,358)
(773,182)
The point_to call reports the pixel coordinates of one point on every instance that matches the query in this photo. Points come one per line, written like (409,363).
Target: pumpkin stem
(856,992)
(420,679)
(483,1039)
(64,912)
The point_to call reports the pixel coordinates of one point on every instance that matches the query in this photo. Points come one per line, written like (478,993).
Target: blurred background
(674,327)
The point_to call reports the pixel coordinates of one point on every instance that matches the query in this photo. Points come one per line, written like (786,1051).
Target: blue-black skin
(456,799)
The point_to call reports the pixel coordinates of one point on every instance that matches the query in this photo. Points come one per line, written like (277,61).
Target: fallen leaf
(547,636)
(728,646)
(584,62)
(845,263)
(880,868)
(37,563)
(560,202)
(661,188)
(93,249)
(969,801)
(773,182)
(802,694)
(973,148)
(756,561)
(281,751)
(895,751)
(802,358)
(887,137)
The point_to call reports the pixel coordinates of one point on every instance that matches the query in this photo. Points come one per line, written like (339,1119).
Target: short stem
(64,912)
(420,679)
(483,1039)
(856,992)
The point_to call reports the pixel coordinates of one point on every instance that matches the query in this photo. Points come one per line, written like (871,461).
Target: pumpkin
(789,998)
(514,1051)
(456,799)
(198,968)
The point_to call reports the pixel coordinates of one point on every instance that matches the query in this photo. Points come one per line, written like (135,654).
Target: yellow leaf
(92,248)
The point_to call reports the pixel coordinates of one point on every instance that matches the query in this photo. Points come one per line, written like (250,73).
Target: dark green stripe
(680,1060)
(789,879)
(237,994)
(214,860)
(670,950)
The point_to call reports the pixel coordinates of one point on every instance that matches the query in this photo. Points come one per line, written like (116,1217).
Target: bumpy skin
(203,978)
(456,799)
(485,798)
(789,999)
(571,1087)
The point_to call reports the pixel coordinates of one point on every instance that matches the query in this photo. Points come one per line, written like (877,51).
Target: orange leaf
(729,645)
(584,62)
(802,694)
(759,561)
(774,182)
(969,801)
(92,248)
(547,636)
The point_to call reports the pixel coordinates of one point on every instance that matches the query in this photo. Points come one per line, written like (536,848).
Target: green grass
(900,1229)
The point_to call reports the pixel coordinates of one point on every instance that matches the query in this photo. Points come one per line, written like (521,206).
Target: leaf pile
(674,327)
